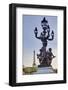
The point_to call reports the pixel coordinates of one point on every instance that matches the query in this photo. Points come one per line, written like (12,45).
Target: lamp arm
(37,37)
(50,39)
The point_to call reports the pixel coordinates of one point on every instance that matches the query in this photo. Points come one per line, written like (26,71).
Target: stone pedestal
(45,70)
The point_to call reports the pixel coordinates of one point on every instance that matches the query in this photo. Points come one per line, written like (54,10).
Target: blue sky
(30,42)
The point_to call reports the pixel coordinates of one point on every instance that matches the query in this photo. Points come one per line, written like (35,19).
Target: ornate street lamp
(45,36)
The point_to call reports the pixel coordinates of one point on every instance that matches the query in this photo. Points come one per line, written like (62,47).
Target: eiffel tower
(34,63)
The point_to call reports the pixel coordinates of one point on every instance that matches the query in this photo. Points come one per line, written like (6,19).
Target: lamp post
(45,36)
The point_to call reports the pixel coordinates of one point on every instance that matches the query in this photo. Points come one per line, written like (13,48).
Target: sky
(31,43)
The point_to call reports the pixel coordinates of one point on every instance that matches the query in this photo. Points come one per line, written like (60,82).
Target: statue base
(44,66)
(45,70)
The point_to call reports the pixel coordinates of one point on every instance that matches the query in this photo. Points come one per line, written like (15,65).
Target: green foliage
(29,70)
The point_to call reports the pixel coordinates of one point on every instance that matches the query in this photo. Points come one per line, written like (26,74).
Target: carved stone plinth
(45,70)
